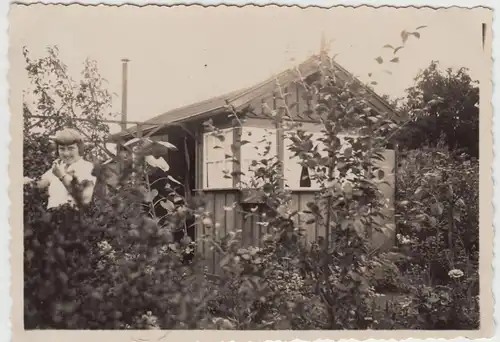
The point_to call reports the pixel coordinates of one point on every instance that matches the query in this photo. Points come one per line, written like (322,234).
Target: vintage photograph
(253,168)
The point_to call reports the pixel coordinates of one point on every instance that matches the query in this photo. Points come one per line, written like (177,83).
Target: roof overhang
(241,98)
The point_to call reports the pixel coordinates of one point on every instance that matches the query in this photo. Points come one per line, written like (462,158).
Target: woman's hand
(59,169)
(28,180)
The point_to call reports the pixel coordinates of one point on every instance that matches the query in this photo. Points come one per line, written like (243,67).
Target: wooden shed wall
(232,220)
(252,232)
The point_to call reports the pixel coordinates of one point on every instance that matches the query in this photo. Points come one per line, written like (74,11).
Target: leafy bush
(439,216)
(443,105)
(121,264)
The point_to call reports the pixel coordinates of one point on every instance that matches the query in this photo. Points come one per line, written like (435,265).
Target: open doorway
(182,170)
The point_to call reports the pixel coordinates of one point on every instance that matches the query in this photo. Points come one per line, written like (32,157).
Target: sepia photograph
(252,168)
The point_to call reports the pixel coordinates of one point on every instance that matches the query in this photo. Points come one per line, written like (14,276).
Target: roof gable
(241,98)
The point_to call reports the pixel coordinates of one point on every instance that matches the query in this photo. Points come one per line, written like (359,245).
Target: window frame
(286,159)
(273,132)
(228,137)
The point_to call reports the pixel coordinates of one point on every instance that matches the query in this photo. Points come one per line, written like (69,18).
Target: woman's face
(68,153)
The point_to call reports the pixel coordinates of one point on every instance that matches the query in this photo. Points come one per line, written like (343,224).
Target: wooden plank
(199,232)
(237,156)
(294,205)
(214,211)
(280,145)
(298,105)
(256,236)
(238,215)
(220,221)
(230,217)
(247,230)
(310,229)
(380,240)
(199,159)
(319,226)
(261,229)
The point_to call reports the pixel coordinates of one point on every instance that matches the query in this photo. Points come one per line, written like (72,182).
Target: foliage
(60,101)
(119,264)
(439,216)
(442,104)
(439,231)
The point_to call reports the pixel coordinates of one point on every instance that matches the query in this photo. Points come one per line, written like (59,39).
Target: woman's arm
(82,191)
(80,182)
(42,183)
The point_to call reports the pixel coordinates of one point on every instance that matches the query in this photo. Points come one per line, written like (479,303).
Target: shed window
(258,144)
(217,164)
(305,180)
(298,177)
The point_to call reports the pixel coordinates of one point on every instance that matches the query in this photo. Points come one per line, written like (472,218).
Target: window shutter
(218,168)
(258,139)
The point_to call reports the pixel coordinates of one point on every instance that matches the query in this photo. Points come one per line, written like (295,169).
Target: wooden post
(280,143)
(237,131)
(124,93)
(483,34)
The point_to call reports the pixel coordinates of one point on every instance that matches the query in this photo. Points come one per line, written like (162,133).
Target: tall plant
(58,100)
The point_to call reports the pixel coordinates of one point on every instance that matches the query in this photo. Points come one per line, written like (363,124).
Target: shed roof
(241,98)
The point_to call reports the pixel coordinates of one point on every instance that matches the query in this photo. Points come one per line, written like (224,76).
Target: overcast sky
(182,54)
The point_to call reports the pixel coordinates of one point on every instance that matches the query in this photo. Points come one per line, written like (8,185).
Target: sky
(184,54)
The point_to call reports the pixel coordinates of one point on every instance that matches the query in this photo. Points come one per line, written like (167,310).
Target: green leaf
(437,208)
(246,256)
(404,36)
(344,224)
(433,221)
(310,221)
(150,196)
(395,60)
(157,162)
(167,145)
(379,60)
(348,189)
(460,202)
(348,152)
(421,217)
(167,205)
(397,49)
(419,192)
(173,180)
(380,174)
(359,228)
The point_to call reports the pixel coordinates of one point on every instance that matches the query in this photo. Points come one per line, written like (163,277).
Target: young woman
(69,180)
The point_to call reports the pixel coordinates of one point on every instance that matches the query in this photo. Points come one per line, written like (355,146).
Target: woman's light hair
(69,136)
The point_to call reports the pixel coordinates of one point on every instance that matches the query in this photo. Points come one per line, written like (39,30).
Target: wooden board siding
(389,166)
(252,232)
(295,101)
(233,220)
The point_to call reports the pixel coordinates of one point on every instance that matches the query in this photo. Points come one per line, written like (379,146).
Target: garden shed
(201,162)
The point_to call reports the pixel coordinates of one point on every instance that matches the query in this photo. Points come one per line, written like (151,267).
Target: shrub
(438,218)
(121,263)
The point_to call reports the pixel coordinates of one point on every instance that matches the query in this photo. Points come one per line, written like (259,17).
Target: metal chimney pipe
(483,27)
(124,93)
